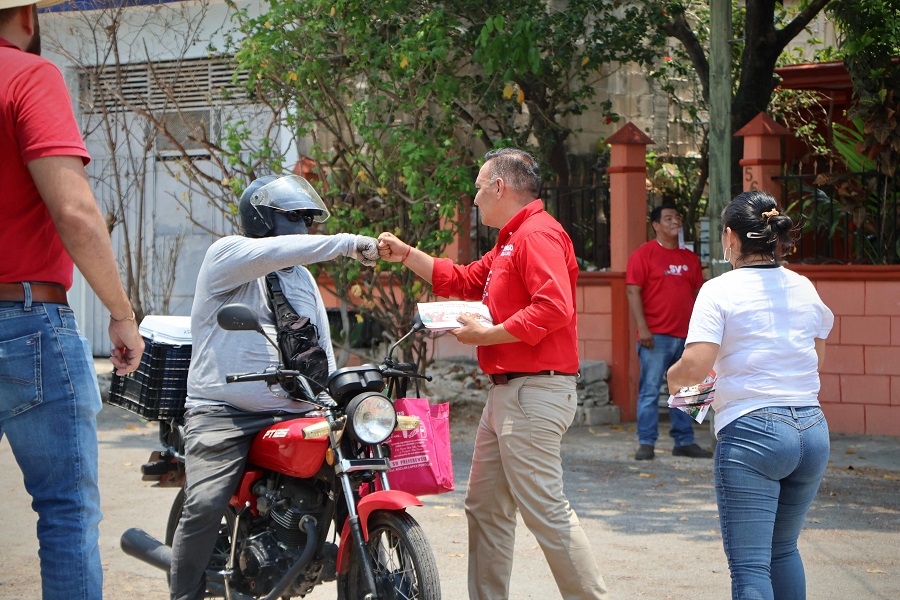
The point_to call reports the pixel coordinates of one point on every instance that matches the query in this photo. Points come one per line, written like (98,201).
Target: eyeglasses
(294,216)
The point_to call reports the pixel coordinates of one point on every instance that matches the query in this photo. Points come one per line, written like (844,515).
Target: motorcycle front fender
(380,500)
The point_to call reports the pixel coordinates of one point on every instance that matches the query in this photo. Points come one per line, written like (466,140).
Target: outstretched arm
(392,249)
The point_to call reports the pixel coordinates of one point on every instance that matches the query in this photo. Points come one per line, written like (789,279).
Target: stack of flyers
(695,400)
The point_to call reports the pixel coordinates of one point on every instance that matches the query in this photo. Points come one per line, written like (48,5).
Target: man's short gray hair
(519,169)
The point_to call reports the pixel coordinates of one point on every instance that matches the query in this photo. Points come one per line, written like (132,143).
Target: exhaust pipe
(143,546)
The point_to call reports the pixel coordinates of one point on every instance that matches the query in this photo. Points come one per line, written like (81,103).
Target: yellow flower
(520,97)
(362,175)
(508,91)
(359,318)
(382,191)
(356,290)
(332,11)
(292,77)
(585,61)
(403,62)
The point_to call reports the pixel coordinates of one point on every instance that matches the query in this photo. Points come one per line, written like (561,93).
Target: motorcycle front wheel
(405,567)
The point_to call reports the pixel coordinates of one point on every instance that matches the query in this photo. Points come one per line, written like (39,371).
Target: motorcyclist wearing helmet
(276,215)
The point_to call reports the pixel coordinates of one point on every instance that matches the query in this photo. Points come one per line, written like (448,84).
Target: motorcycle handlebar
(270,377)
(400,373)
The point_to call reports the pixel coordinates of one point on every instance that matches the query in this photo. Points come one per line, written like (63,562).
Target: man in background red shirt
(49,397)
(662,280)
(527,281)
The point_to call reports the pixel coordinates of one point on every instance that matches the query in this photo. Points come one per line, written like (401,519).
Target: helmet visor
(291,193)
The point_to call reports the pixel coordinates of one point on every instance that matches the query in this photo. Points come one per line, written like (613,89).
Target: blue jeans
(654,364)
(768,467)
(49,402)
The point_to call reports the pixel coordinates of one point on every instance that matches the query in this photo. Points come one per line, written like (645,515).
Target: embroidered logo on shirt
(677,270)
(507,250)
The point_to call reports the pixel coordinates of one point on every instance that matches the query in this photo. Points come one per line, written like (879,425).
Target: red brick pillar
(762,154)
(628,230)
(627,194)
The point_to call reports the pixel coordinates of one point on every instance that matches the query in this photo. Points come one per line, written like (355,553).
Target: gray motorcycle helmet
(270,193)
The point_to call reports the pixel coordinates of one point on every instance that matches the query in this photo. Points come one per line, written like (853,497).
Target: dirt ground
(653,526)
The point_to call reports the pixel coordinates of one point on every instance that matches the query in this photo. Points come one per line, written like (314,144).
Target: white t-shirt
(765,321)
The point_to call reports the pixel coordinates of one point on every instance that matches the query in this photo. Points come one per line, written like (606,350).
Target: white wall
(158,32)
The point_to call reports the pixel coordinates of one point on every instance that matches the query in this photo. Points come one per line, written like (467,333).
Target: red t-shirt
(668,280)
(36,120)
(527,281)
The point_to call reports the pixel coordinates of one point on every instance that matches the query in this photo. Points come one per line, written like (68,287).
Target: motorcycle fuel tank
(282,448)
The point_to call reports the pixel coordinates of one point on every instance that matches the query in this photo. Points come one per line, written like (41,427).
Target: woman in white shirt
(762,329)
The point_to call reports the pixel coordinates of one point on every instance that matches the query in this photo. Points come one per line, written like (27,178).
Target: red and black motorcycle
(322,476)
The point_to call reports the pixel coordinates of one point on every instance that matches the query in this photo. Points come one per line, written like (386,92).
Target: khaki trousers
(517,466)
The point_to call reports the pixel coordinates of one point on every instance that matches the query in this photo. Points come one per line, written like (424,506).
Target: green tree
(870,44)
(368,91)
(394,100)
(540,63)
(763,30)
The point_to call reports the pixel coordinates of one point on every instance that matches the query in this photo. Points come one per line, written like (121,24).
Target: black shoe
(691,451)
(644,452)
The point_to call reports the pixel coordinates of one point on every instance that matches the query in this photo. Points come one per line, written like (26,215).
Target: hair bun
(781,222)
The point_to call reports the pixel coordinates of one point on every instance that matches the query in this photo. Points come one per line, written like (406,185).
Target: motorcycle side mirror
(238,317)
(417,325)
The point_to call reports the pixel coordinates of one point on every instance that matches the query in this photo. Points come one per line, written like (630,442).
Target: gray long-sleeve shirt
(234,270)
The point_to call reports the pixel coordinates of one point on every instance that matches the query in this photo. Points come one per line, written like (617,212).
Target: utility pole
(719,127)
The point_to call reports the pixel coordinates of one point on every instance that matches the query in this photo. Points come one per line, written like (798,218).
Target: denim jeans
(768,467)
(654,364)
(49,402)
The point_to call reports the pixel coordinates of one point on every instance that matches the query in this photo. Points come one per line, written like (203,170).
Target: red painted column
(762,155)
(628,230)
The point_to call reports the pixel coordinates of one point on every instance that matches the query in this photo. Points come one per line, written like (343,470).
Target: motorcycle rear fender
(380,500)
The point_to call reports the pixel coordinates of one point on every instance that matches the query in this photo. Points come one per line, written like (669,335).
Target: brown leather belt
(503,378)
(40,292)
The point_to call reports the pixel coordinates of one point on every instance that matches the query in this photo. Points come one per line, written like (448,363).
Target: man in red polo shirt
(531,353)
(662,279)
(49,397)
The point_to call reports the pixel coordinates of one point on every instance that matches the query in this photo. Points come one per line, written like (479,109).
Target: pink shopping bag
(421,461)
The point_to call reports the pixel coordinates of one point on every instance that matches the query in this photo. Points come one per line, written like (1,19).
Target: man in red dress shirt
(531,354)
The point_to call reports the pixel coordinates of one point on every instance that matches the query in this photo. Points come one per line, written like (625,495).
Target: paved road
(653,525)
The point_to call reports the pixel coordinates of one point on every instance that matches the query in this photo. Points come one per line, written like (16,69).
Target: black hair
(761,226)
(656,213)
(7,14)
(519,169)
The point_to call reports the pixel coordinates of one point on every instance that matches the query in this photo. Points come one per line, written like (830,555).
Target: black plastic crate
(156,390)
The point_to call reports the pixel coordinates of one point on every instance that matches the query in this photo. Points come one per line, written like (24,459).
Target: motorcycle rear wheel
(222,548)
(405,567)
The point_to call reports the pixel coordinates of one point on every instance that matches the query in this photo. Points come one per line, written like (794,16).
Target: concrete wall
(861,378)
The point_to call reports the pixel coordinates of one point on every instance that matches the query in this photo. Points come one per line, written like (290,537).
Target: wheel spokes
(393,565)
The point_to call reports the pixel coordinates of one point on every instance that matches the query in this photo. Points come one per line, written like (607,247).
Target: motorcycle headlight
(371,418)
